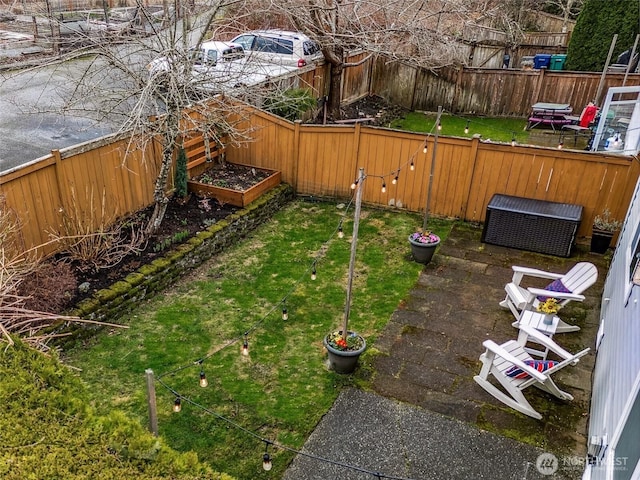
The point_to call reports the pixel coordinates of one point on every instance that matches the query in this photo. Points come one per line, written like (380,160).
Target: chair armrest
(545,341)
(519,272)
(539,292)
(492,346)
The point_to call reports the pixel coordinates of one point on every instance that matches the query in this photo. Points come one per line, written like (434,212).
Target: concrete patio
(426,417)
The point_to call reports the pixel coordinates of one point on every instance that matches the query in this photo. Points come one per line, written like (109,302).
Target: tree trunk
(335,91)
(159,194)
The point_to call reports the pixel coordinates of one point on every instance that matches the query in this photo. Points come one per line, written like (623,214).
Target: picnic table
(549,114)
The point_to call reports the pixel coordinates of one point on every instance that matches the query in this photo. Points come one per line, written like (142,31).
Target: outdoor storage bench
(529,224)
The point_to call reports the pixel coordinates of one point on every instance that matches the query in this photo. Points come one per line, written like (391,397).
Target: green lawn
(496,129)
(281,390)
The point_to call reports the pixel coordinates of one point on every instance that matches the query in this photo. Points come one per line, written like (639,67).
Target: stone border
(112,303)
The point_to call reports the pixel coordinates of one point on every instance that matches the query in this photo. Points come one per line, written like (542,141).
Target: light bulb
(424,149)
(340,232)
(384,187)
(313,272)
(561,144)
(395,180)
(285,313)
(177,405)
(354,184)
(513,140)
(245,347)
(203,379)
(412,167)
(266,462)
(439,126)
(466,128)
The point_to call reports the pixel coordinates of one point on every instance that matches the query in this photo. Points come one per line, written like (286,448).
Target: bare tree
(419,32)
(111,82)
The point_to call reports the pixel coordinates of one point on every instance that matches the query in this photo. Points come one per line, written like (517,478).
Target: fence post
(296,154)
(151,402)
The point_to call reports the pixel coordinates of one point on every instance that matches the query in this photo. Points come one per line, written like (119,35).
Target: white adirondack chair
(581,276)
(498,359)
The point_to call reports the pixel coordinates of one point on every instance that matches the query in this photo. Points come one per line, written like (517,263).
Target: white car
(210,55)
(280,47)
(218,66)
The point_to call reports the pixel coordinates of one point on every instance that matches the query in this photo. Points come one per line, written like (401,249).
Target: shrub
(50,431)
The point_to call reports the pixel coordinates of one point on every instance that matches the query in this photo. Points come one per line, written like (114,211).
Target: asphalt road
(31,121)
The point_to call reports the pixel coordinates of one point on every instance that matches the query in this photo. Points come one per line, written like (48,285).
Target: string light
(466,128)
(340,231)
(513,139)
(266,458)
(245,346)
(395,179)
(177,405)
(424,149)
(285,313)
(313,271)
(439,126)
(412,166)
(354,184)
(203,377)
(384,186)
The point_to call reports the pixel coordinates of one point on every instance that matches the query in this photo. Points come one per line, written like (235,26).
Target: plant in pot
(549,307)
(345,346)
(604,228)
(423,245)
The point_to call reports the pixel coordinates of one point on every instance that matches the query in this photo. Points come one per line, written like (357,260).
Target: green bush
(291,104)
(597,23)
(181,174)
(50,431)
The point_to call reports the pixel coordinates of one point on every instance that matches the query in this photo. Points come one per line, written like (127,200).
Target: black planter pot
(600,241)
(341,361)
(423,252)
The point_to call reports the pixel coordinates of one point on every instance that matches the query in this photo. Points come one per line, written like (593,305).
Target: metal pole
(352,260)
(151,401)
(633,52)
(604,70)
(433,167)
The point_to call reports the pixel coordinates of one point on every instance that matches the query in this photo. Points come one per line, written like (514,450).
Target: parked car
(280,47)
(215,67)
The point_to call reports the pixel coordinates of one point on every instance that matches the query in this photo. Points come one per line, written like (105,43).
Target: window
(310,48)
(246,41)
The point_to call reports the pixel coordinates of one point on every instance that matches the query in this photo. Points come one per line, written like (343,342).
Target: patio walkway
(427,418)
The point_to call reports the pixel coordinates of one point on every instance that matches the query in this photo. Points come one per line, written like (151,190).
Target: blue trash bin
(541,60)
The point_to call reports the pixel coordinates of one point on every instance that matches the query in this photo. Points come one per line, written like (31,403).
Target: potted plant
(423,245)
(603,229)
(344,350)
(549,307)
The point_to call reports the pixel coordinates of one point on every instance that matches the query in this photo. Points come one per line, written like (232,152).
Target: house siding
(617,370)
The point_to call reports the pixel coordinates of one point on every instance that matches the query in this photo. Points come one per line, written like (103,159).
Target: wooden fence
(493,92)
(324,161)
(97,182)
(91,184)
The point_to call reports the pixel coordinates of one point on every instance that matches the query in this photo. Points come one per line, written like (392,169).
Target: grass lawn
(281,390)
(495,129)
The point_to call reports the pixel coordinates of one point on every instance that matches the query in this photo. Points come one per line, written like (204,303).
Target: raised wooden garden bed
(210,184)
